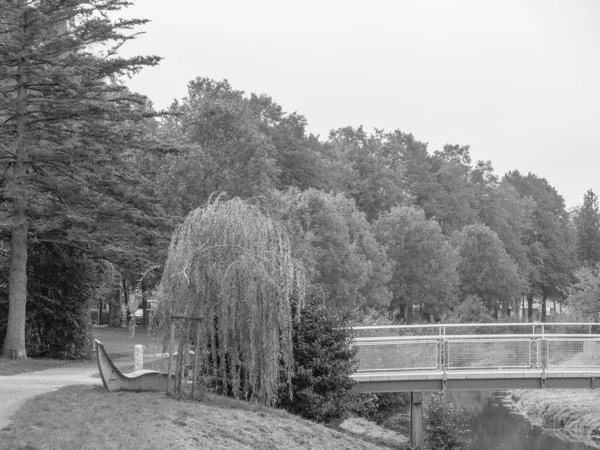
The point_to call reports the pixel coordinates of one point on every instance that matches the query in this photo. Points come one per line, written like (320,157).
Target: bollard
(138,357)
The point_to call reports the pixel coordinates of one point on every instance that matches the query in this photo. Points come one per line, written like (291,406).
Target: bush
(58,322)
(323,362)
(445,428)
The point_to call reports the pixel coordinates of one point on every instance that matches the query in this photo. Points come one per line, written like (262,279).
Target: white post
(138,357)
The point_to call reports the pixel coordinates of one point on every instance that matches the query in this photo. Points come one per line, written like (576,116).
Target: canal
(494,425)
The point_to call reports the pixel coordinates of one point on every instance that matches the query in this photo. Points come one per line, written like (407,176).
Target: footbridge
(477,356)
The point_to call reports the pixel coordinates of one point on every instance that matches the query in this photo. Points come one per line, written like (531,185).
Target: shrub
(323,362)
(445,428)
(58,321)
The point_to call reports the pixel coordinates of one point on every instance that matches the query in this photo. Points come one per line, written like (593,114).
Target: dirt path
(15,390)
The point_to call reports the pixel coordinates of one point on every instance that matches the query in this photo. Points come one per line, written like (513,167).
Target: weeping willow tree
(232,265)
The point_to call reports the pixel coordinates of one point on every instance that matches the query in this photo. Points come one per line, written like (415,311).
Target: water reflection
(494,426)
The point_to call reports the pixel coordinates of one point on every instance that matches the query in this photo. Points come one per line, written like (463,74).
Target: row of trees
(377,219)
(450,229)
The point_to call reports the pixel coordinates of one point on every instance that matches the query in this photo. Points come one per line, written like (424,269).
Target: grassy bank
(576,412)
(80,417)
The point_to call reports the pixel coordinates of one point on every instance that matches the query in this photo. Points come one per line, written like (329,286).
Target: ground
(89,417)
(67,407)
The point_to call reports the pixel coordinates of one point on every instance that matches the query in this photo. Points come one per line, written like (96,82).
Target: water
(494,426)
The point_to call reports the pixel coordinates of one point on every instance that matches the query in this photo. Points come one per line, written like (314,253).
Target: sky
(517,80)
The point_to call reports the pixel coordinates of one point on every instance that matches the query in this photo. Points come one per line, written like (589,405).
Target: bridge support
(416,420)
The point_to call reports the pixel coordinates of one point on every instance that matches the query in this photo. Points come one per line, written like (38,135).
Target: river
(494,426)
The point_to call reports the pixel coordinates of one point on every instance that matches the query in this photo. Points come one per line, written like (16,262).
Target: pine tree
(68,129)
(587,222)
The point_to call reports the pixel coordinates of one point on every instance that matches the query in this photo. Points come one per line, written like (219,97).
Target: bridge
(477,356)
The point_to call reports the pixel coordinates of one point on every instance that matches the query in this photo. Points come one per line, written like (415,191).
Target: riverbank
(576,412)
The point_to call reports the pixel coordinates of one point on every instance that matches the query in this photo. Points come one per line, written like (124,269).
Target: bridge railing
(436,347)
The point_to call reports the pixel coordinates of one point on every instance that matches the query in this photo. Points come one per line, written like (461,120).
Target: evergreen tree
(587,223)
(68,130)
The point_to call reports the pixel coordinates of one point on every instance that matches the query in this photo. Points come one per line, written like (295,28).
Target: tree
(233,266)
(551,240)
(336,244)
(584,297)
(587,223)
(226,150)
(323,362)
(486,270)
(67,131)
(505,212)
(424,262)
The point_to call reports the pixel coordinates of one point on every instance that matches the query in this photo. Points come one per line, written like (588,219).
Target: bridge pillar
(416,420)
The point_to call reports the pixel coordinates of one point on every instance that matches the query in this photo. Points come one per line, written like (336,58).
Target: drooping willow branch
(231,264)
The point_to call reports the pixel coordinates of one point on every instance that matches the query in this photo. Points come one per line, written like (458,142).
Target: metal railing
(458,347)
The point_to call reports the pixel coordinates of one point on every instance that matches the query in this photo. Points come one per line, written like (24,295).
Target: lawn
(82,417)
(8,367)
(118,343)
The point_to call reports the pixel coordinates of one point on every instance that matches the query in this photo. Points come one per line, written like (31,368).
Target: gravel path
(15,390)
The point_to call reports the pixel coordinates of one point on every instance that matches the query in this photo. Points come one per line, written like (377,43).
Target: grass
(83,417)
(118,342)
(10,367)
(574,411)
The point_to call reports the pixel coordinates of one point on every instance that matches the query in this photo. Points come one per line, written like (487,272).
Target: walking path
(15,390)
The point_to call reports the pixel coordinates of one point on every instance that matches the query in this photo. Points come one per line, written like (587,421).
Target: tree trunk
(402,310)
(543,315)
(126,299)
(114,309)
(144,305)
(14,344)
(530,307)
(409,313)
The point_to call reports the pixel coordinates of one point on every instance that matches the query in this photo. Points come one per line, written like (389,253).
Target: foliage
(232,265)
(323,362)
(470,310)
(61,283)
(425,264)
(551,240)
(69,130)
(227,150)
(336,244)
(445,428)
(364,167)
(505,212)
(485,269)
(587,223)
(584,296)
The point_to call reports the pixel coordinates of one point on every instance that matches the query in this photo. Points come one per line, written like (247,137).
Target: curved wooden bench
(140,380)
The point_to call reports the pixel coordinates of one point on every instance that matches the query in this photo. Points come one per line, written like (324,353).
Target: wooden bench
(140,380)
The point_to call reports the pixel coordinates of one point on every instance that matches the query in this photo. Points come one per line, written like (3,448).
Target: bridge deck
(403,363)
(475,380)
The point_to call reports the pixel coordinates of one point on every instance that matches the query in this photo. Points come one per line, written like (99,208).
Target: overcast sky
(517,80)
